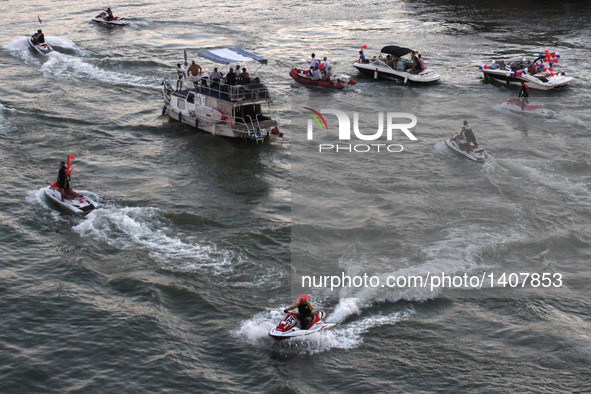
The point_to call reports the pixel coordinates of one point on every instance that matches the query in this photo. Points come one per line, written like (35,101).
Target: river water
(200,241)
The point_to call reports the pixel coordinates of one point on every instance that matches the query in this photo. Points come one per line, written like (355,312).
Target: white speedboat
(537,74)
(378,69)
(73,201)
(42,48)
(228,110)
(461,147)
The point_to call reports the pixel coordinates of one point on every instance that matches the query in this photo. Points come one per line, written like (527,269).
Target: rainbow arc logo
(317,115)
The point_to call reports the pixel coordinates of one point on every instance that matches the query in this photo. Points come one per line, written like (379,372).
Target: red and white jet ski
(514,105)
(289,327)
(74,201)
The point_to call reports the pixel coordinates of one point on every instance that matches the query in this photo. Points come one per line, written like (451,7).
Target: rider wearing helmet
(306,311)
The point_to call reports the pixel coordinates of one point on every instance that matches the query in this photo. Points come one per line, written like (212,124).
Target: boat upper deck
(243,93)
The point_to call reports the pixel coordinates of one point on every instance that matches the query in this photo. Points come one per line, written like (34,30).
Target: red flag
(40,21)
(69,166)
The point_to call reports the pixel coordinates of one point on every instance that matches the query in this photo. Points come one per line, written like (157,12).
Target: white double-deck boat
(379,68)
(222,109)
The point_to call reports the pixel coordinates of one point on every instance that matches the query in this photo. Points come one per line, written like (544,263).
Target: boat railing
(240,92)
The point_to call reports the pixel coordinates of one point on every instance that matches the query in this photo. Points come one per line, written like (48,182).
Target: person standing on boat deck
(313,61)
(181,72)
(237,70)
(194,72)
(470,137)
(524,94)
(326,64)
(62,180)
(230,77)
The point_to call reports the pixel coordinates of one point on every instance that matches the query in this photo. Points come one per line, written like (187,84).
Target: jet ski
(461,146)
(74,201)
(289,327)
(43,48)
(514,105)
(116,21)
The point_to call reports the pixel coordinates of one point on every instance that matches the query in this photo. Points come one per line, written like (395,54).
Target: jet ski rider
(470,138)
(306,311)
(524,94)
(62,180)
(109,16)
(38,38)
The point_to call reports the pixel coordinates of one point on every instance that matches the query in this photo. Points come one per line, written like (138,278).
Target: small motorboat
(42,48)
(378,69)
(336,82)
(289,327)
(462,147)
(537,74)
(103,19)
(73,201)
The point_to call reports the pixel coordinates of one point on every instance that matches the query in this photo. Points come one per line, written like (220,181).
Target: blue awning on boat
(231,55)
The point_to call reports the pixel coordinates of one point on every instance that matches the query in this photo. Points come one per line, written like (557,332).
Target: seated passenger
(421,64)
(315,74)
(389,61)
(362,58)
(244,77)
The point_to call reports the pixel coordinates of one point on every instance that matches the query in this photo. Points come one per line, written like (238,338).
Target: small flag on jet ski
(40,21)
(69,166)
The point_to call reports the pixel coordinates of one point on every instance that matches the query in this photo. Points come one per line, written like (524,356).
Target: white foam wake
(68,67)
(132,228)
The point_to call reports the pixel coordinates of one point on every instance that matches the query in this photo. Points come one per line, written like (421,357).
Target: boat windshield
(379,63)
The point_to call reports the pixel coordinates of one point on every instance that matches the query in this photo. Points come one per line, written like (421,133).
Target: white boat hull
(540,81)
(377,72)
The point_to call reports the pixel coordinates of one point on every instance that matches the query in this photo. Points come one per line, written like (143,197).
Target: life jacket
(303,310)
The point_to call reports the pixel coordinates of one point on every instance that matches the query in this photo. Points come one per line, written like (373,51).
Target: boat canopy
(231,55)
(396,50)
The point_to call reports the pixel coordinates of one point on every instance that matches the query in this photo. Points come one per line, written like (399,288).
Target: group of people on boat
(319,70)
(234,76)
(38,38)
(396,63)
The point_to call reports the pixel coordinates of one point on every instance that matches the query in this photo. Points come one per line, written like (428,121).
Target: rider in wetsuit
(306,311)
(470,137)
(38,38)
(62,180)
(524,94)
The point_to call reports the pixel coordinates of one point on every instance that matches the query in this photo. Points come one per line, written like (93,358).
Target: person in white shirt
(182,75)
(315,74)
(313,61)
